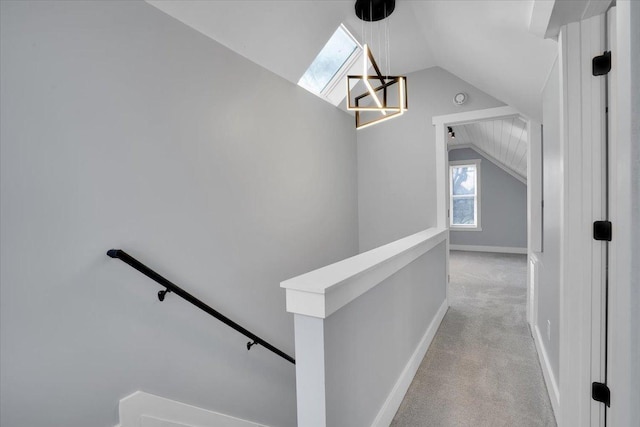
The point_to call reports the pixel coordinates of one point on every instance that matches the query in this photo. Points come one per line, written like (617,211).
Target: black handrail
(171,287)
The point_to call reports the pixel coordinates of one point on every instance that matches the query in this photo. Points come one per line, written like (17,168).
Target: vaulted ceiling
(485,42)
(502,141)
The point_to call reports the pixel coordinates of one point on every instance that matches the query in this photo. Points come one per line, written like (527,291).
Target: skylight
(332,58)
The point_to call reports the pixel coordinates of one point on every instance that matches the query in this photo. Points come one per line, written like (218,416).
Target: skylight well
(331,65)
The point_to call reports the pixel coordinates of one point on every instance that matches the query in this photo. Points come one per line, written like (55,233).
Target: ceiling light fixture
(381,97)
(452,134)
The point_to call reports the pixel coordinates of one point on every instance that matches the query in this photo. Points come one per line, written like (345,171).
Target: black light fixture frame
(374,10)
(385,83)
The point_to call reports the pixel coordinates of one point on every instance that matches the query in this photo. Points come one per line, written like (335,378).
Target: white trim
(547,372)
(440,124)
(322,292)
(311,392)
(442,177)
(496,249)
(133,407)
(623,357)
(477,196)
(464,162)
(534,188)
(534,215)
(463,228)
(442,192)
(595,7)
(581,296)
(492,159)
(148,421)
(394,399)
(540,17)
(532,285)
(477,116)
(565,12)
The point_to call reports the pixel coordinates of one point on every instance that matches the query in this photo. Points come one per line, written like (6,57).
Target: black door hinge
(601,393)
(601,65)
(602,230)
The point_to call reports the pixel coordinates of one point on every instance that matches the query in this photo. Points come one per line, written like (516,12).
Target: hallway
(482,368)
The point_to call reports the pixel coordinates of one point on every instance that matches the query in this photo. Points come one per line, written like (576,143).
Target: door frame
(440,124)
(623,368)
(579,356)
(582,299)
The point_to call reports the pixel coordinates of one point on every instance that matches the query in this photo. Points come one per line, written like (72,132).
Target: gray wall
(634,302)
(371,339)
(549,260)
(122,127)
(503,205)
(396,163)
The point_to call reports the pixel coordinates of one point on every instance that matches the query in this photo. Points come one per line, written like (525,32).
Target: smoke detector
(460,98)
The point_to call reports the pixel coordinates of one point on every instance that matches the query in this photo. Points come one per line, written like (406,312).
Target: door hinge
(601,393)
(601,65)
(602,230)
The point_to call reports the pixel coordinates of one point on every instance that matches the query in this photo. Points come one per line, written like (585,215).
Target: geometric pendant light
(380,97)
(375,98)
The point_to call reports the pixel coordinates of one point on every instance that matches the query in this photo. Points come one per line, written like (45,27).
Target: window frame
(478,195)
(334,92)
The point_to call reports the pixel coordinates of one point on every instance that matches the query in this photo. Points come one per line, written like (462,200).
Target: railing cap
(321,292)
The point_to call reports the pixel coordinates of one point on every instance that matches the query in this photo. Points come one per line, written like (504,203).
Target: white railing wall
(142,409)
(362,327)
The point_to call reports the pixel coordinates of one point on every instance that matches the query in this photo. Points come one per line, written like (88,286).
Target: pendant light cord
(388,38)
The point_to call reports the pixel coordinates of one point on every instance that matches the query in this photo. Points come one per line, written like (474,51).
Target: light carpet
(481,368)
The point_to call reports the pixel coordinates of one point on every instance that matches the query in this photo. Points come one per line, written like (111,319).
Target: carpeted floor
(482,368)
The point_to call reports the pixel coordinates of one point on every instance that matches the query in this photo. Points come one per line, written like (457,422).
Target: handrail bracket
(161,294)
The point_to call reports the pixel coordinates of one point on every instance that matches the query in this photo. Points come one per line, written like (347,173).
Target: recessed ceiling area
(484,42)
(502,141)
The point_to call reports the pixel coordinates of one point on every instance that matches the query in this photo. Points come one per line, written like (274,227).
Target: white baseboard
(391,405)
(549,378)
(146,421)
(144,409)
(497,249)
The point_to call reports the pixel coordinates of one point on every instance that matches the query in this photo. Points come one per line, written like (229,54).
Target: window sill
(457,228)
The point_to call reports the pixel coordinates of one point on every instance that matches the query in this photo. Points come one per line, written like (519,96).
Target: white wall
(123,128)
(503,206)
(634,302)
(624,249)
(396,159)
(549,261)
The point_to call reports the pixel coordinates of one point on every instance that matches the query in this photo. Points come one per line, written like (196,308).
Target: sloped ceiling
(502,141)
(486,43)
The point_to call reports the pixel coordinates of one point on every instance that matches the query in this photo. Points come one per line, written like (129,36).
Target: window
(331,65)
(464,195)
